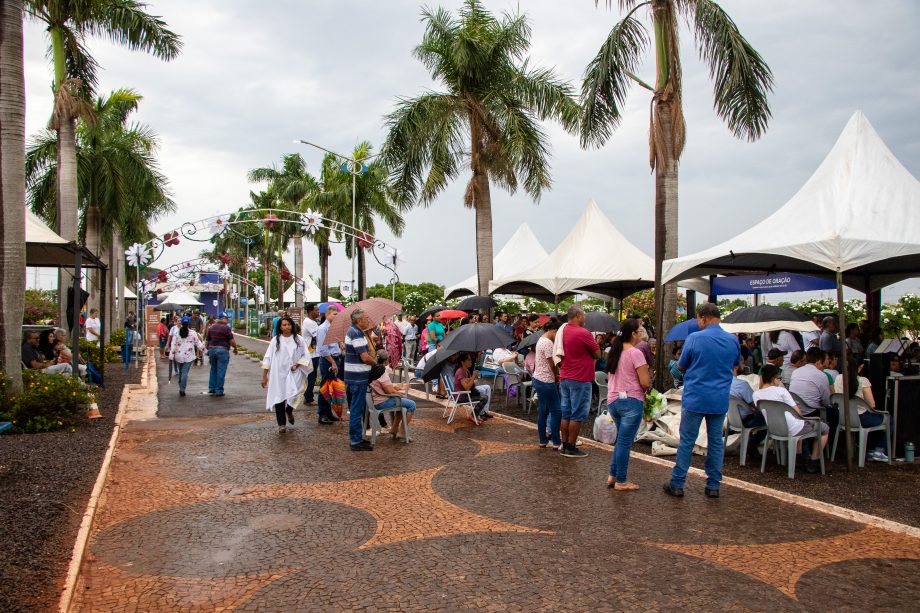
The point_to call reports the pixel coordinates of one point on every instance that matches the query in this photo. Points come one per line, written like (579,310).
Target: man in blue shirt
(503,324)
(708,360)
(330,365)
(358,362)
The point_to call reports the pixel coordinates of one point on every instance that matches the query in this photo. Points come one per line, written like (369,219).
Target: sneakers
(362,446)
(677,492)
(877,455)
(712,493)
(571,451)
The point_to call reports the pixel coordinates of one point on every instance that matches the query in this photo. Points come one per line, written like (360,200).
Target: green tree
(487,117)
(12,190)
(742,81)
(69,23)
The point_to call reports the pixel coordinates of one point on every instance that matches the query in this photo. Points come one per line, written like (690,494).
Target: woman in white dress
(284,372)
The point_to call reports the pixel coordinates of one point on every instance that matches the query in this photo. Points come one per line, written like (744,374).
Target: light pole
(354,167)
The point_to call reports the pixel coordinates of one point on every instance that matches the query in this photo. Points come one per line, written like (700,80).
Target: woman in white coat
(284,372)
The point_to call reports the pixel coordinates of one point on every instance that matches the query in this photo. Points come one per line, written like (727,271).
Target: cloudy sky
(254,76)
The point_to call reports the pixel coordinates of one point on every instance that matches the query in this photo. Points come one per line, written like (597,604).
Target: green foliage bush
(239,325)
(39,306)
(47,402)
(89,351)
(117,337)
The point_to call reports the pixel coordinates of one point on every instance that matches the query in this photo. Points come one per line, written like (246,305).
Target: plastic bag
(654,406)
(605,430)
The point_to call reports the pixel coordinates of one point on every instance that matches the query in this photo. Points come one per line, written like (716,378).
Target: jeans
(877,439)
(627,415)
(576,399)
(183,374)
(485,396)
(390,403)
(323,408)
(220,359)
(357,406)
(689,429)
(282,410)
(755,420)
(548,405)
(126,350)
(308,395)
(58,369)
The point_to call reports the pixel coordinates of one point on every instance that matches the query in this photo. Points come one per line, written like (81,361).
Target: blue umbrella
(681,331)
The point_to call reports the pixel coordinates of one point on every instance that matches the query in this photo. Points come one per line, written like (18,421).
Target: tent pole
(102,322)
(75,312)
(841,327)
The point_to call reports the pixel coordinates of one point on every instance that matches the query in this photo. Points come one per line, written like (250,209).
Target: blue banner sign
(769,284)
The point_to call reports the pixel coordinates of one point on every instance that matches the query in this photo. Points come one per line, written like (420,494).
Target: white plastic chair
(371,414)
(734,423)
(856,426)
(778,433)
(515,376)
(600,378)
(457,399)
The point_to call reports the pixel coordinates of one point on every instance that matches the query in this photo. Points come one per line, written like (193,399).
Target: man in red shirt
(576,373)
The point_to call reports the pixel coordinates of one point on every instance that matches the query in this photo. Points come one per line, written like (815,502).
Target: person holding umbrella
(284,370)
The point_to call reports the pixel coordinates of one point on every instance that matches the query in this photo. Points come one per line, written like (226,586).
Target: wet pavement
(216,511)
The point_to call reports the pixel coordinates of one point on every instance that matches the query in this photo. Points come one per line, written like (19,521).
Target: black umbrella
(601,322)
(766,318)
(477,303)
(434,363)
(477,337)
(430,311)
(530,340)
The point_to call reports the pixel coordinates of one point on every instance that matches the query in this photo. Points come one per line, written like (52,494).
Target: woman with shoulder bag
(628,380)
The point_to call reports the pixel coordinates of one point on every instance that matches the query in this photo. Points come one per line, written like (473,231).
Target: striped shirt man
(356,371)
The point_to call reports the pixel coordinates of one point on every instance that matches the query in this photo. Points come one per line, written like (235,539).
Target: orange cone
(93,411)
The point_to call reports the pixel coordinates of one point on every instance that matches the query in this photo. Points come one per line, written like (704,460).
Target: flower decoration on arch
(162,276)
(270,221)
(137,255)
(224,273)
(217,225)
(365,240)
(224,258)
(253,264)
(170,239)
(285,274)
(311,221)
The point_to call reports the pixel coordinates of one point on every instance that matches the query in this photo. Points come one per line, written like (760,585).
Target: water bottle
(908,452)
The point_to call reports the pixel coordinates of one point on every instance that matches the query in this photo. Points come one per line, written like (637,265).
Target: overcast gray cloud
(254,76)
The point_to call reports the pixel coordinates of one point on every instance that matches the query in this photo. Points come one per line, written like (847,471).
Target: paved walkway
(220,512)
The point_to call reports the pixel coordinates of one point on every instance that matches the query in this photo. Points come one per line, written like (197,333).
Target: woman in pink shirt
(627,380)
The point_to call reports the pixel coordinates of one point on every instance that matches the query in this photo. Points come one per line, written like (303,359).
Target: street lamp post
(354,167)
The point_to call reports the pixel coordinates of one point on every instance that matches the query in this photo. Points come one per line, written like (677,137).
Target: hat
(186,320)
(775,353)
(222,315)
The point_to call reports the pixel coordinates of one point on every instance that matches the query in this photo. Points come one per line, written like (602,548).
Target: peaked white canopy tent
(518,254)
(178,298)
(863,209)
(311,292)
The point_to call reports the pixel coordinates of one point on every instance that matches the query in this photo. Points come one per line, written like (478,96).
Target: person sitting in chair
(465,381)
(382,391)
(33,358)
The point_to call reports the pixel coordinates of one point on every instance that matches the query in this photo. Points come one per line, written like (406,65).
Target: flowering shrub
(642,304)
(39,306)
(47,402)
(89,351)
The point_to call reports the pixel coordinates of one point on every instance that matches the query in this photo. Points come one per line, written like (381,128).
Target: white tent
(519,253)
(38,232)
(180,298)
(311,293)
(594,257)
(859,214)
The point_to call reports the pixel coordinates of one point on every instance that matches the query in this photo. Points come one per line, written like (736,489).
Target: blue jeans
(220,359)
(323,408)
(877,439)
(549,405)
(576,399)
(390,403)
(357,405)
(308,396)
(627,415)
(689,429)
(126,350)
(183,374)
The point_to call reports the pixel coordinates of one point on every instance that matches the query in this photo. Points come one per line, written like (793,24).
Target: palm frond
(126,23)
(742,79)
(546,95)
(606,81)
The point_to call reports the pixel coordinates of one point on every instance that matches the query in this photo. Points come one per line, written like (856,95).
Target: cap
(186,320)
(775,353)
(222,315)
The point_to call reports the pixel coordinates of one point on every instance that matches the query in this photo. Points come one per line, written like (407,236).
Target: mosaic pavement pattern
(224,514)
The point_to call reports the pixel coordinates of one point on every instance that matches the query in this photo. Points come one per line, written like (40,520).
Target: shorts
(162,342)
(810,427)
(576,399)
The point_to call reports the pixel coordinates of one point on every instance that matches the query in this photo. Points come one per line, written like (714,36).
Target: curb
(148,376)
(866,519)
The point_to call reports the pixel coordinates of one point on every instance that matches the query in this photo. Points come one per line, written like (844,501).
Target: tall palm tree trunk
(118,253)
(665,233)
(66,216)
(93,242)
(362,274)
(482,202)
(298,270)
(12,189)
(323,271)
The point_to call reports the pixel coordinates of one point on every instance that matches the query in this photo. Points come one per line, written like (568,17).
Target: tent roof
(521,251)
(311,292)
(593,257)
(47,249)
(862,209)
(181,298)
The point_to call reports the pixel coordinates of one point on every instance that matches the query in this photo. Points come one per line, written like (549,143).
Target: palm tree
(12,190)
(487,117)
(292,183)
(118,176)
(373,197)
(742,82)
(69,22)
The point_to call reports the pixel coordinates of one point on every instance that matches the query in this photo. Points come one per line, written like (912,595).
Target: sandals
(621,487)
(441,397)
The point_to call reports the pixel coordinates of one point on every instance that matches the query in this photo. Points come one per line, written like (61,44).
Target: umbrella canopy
(377,310)
(325,306)
(601,322)
(530,340)
(452,314)
(477,337)
(766,318)
(477,303)
(430,311)
(681,331)
(434,363)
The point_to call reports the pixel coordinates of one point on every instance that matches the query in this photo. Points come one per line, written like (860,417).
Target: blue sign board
(769,284)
